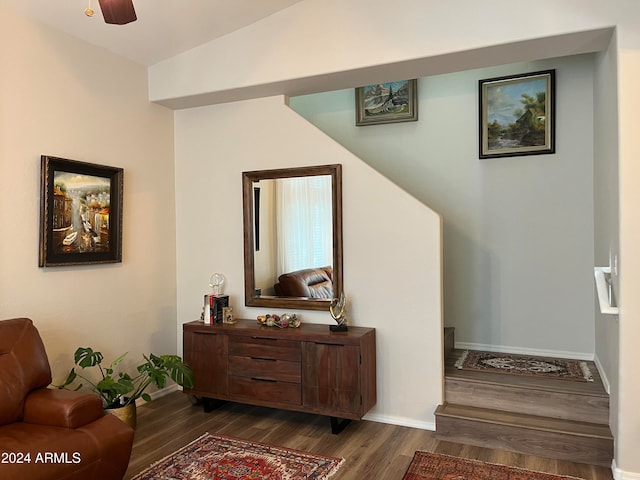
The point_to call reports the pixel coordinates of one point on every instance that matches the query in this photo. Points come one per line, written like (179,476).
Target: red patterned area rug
(218,457)
(493,362)
(435,466)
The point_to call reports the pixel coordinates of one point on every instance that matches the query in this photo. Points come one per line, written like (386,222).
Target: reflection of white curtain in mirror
(303,216)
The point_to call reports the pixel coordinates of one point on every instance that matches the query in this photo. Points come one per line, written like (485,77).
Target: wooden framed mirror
(292,237)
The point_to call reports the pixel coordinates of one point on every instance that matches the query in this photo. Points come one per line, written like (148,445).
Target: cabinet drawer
(266,369)
(265,348)
(265,390)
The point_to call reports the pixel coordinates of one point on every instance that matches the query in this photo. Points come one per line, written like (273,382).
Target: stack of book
(214,305)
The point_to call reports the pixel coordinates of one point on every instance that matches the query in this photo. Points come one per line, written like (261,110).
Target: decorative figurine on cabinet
(337,311)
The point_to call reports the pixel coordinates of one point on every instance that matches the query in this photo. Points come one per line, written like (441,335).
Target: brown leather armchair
(310,283)
(52,434)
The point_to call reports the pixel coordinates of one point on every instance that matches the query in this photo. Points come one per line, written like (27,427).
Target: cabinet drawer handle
(261,358)
(332,344)
(263,380)
(265,338)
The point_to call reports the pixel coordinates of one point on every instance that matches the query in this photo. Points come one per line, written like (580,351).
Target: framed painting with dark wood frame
(80,213)
(387,103)
(517,115)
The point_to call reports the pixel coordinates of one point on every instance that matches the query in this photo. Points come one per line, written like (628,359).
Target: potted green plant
(119,390)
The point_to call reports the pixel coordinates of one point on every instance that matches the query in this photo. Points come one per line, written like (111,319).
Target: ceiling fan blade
(118,12)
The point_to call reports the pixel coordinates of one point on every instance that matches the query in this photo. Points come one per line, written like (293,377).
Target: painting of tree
(517,115)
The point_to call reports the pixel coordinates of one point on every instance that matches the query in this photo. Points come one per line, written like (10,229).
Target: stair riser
(582,408)
(560,446)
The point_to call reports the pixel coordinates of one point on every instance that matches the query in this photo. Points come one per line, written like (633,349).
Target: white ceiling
(164,28)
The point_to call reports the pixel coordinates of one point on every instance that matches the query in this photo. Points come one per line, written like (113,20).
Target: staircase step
(581,442)
(550,397)
(533,400)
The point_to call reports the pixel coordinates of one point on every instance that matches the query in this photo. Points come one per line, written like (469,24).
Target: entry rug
(218,457)
(435,466)
(575,370)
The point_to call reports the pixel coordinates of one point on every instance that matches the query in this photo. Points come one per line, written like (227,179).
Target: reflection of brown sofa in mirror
(310,282)
(55,434)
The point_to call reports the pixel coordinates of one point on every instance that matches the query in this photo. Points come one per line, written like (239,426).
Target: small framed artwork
(387,103)
(517,115)
(80,213)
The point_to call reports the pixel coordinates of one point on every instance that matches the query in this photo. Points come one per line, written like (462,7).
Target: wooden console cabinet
(308,369)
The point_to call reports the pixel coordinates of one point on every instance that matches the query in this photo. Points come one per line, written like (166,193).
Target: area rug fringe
(586,371)
(460,362)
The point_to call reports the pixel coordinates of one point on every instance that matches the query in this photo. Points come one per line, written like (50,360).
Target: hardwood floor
(373,451)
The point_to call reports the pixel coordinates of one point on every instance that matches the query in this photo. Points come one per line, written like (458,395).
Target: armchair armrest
(62,408)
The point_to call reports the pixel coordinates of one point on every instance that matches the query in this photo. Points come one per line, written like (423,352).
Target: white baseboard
(401,421)
(621,474)
(524,351)
(603,375)
(160,393)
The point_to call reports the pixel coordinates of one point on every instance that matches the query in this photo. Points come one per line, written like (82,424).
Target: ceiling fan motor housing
(118,12)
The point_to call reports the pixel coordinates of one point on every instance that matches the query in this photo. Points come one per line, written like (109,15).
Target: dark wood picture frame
(389,102)
(517,115)
(80,213)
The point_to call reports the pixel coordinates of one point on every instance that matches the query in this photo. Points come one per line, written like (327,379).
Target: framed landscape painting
(387,103)
(517,115)
(80,213)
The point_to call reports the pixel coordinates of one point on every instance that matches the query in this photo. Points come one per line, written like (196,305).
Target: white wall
(322,45)
(63,97)
(629,263)
(393,288)
(518,232)
(606,208)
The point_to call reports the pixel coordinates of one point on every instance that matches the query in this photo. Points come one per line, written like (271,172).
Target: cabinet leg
(210,404)
(338,424)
